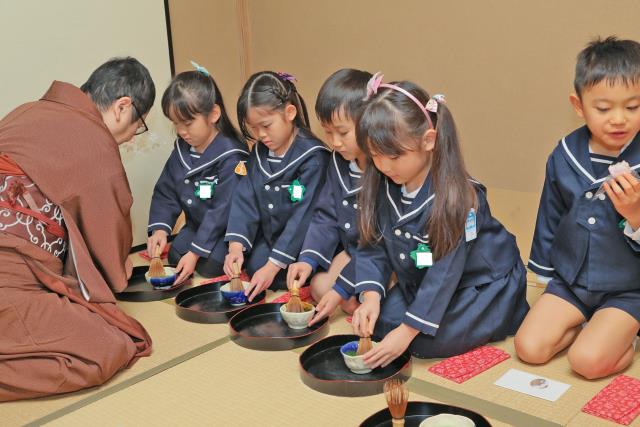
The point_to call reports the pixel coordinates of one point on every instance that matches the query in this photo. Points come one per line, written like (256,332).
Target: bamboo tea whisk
(294,305)
(236,282)
(156,269)
(397,397)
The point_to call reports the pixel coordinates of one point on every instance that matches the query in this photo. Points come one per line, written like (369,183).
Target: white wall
(66,40)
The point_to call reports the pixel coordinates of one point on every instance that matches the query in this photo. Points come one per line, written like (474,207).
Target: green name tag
(296,190)
(205,189)
(422,256)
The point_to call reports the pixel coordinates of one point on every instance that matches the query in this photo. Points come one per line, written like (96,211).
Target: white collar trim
(419,208)
(297,159)
(335,162)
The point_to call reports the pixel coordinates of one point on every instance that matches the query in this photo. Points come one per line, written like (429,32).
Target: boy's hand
(624,192)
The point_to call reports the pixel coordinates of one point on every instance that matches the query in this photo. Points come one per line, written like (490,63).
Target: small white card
(424,259)
(205,191)
(532,385)
(297,192)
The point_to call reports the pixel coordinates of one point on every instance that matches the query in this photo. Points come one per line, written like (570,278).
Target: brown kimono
(60,329)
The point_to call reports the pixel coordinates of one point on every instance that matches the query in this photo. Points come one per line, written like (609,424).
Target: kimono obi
(27,213)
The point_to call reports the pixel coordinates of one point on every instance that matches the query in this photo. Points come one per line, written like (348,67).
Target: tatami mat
(172,337)
(230,386)
(197,377)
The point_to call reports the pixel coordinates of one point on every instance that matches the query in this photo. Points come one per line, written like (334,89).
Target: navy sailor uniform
(206,219)
(470,296)
(333,226)
(580,240)
(263,217)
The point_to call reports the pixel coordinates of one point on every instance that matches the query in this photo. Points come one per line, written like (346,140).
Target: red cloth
(144,254)
(305,295)
(462,367)
(618,402)
(224,277)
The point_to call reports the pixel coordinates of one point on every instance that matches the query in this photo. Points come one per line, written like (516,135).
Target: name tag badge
(205,189)
(296,190)
(422,256)
(470,230)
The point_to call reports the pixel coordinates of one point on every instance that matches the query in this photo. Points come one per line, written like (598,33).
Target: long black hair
(391,116)
(193,92)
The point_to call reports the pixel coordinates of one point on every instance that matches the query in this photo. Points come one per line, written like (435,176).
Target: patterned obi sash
(26,212)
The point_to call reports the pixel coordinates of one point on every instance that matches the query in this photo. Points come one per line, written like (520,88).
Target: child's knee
(590,362)
(531,350)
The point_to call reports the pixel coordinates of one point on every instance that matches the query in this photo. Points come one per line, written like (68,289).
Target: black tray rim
(274,343)
(151,295)
(349,388)
(415,406)
(210,317)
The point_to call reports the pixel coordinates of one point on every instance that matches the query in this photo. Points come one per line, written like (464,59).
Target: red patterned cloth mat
(619,401)
(464,366)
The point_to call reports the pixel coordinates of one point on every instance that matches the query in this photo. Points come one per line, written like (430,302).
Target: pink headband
(432,105)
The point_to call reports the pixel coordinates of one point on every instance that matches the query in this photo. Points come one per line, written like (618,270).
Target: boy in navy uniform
(587,242)
(333,233)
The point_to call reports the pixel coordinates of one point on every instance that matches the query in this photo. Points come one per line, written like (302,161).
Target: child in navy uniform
(586,242)
(461,282)
(198,177)
(333,232)
(273,204)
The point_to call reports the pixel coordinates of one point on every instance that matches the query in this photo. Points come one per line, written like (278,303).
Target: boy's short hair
(610,59)
(120,77)
(344,91)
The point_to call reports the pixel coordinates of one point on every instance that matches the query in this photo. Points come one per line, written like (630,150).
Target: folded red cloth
(305,295)
(464,366)
(618,402)
(144,254)
(224,277)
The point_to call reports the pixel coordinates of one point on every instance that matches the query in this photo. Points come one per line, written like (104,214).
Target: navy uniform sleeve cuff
(159,226)
(233,237)
(423,326)
(319,259)
(199,250)
(282,257)
(370,286)
(344,293)
(540,269)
